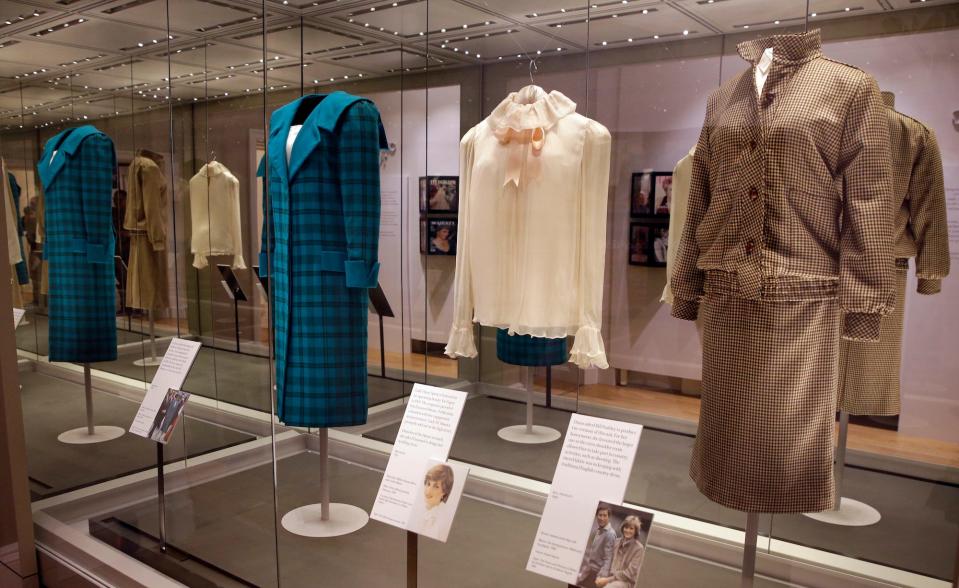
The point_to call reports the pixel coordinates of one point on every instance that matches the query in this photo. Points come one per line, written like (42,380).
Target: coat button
(752,145)
(753,193)
(750,245)
(768,98)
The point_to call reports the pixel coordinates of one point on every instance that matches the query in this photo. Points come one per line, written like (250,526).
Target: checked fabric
(76,170)
(789,226)
(528,350)
(320,253)
(869,372)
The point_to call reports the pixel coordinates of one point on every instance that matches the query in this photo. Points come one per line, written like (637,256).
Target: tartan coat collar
(65,144)
(326,114)
(787,49)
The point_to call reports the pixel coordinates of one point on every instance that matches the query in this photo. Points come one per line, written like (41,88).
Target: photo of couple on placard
(616,547)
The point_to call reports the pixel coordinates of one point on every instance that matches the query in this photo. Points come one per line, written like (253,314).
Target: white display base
(851,513)
(148,362)
(82,436)
(520,434)
(306,521)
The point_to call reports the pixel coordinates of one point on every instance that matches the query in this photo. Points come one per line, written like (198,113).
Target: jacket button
(752,145)
(753,193)
(768,98)
(750,245)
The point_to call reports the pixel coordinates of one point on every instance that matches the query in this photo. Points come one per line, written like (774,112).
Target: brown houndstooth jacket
(791,188)
(920,200)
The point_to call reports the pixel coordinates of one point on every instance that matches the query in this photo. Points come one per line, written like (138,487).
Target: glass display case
(340,203)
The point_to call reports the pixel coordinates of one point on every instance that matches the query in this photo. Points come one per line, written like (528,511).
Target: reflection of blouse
(441,244)
(627,558)
(532,225)
(215,190)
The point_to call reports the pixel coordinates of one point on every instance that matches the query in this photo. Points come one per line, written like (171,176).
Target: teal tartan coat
(78,190)
(23,276)
(320,253)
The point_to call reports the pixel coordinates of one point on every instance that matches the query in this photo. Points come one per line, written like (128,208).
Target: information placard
(417,470)
(18,316)
(594,465)
(171,375)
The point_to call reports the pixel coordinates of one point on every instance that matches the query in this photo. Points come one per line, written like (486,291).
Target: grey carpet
(918,531)
(230,522)
(52,406)
(237,378)
(34,337)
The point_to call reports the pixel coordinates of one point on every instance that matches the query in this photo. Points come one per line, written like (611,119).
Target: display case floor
(237,378)
(52,406)
(230,522)
(918,531)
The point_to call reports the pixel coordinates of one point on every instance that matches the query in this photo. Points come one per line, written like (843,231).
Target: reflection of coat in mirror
(76,170)
(145,219)
(23,277)
(321,254)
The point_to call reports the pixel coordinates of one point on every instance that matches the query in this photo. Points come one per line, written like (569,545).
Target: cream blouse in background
(534,179)
(678,207)
(214,191)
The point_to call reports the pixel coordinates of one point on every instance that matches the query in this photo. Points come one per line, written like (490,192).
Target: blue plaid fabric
(77,187)
(528,350)
(23,276)
(322,239)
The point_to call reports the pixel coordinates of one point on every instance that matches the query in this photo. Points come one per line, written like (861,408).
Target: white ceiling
(75,58)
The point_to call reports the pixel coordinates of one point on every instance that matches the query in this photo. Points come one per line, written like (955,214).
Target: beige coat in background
(215,215)
(145,219)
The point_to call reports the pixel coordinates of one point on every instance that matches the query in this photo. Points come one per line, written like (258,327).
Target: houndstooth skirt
(765,434)
(869,372)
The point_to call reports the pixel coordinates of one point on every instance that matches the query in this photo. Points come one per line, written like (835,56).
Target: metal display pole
(161,497)
(326,519)
(382,348)
(89,433)
(529,433)
(846,512)
(749,550)
(236,323)
(412,557)
(549,386)
(153,360)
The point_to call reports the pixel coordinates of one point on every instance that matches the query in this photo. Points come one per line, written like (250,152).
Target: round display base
(519,434)
(306,521)
(851,513)
(82,435)
(148,362)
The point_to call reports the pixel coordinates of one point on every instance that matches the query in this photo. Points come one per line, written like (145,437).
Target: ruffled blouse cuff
(588,349)
(461,342)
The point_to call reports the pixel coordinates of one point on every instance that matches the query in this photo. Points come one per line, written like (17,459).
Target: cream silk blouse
(534,180)
(214,190)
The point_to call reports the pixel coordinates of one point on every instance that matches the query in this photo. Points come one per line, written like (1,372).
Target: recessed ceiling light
(745,26)
(775,22)
(813,15)
(645,11)
(604,43)
(685,32)
(630,40)
(655,36)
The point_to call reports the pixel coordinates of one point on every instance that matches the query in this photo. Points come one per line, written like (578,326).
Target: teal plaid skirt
(528,350)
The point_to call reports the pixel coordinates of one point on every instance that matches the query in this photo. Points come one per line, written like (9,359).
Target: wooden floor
(862,438)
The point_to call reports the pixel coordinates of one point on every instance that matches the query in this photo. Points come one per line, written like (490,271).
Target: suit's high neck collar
(787,49)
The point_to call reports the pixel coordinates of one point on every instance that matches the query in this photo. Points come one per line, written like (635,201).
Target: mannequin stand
(848,512)
(529,434)
(90,433)
(153,360)
(749,550)
(325,519)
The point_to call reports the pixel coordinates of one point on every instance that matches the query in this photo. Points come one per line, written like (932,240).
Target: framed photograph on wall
(640,195)
(648,243)
(638,244)
(438,236)
(662,193)
(439,194)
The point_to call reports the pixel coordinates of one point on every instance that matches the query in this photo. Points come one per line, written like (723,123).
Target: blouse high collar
(787,49)
(530,108)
